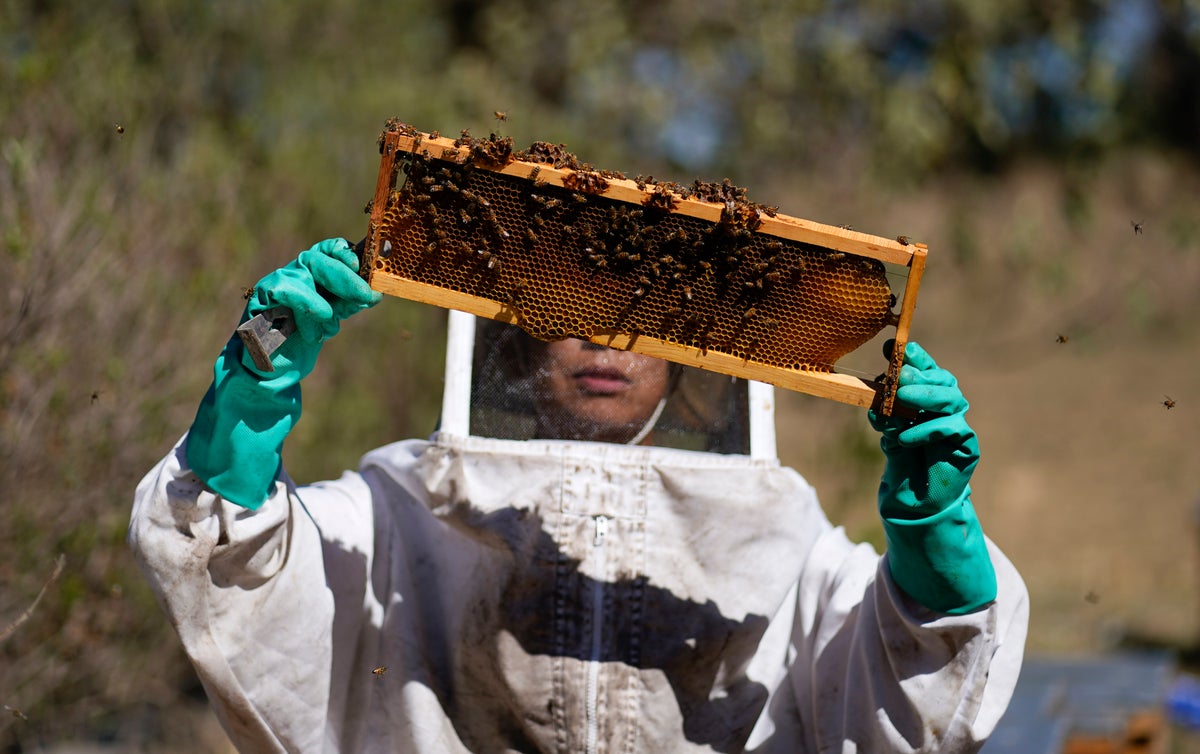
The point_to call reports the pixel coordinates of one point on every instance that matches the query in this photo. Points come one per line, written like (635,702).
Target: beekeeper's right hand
(235,442)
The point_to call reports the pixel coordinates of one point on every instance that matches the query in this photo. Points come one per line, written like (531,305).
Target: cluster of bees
(571,261)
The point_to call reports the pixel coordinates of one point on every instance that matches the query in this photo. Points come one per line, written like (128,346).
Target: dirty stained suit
(465,594)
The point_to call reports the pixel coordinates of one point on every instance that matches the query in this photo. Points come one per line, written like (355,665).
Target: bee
(379,671)
(493,263)
(533,174)
(903,240)
(518,290)
(1091,597)
(120,130)
(837,256)
(16,713)
(500,115)
(95,396)
(1169,402)
(687,292)
(247,293)
(846,227)
(1062,338)
(750,314)
(435,134)
(1137,227)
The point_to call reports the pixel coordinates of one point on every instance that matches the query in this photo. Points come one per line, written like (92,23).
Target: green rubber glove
(235,441)
(936,550)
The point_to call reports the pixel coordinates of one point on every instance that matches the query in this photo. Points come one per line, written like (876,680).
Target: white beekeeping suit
(481,594)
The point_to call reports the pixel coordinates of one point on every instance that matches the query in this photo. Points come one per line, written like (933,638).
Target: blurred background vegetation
(158,157)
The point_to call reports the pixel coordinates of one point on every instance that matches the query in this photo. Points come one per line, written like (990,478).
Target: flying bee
(379,671)
(500,115)
(247,293)
(1062,338)
(1169,402)
(120,130)
(1137,227)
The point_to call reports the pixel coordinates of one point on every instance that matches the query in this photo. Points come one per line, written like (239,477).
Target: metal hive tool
(696,275)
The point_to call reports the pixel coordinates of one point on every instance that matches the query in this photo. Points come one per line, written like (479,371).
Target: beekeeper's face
(589,392)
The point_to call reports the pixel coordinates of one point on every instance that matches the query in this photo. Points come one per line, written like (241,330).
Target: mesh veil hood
(496,386)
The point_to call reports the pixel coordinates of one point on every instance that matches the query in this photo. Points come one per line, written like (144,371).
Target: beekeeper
(596,552)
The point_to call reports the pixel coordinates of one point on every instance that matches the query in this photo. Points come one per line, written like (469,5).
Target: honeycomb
(570,262)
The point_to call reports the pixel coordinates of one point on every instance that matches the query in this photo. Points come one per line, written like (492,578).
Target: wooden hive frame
(396,144)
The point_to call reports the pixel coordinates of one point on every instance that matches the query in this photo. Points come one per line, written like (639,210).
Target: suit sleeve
(253,596)
(876,671)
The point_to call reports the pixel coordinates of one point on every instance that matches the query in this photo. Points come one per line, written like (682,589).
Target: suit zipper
(600,533)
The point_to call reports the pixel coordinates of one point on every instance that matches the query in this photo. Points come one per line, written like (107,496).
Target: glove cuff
(942,561)
(235,441)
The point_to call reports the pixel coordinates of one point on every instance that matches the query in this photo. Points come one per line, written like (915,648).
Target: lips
(601,381)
